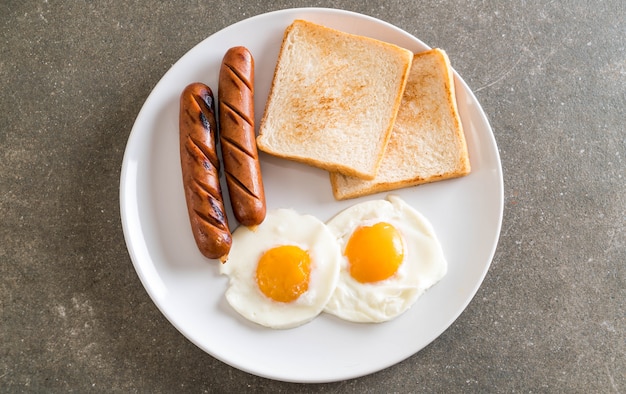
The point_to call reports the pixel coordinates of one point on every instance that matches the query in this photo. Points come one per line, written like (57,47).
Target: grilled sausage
(200,167)
(237,137)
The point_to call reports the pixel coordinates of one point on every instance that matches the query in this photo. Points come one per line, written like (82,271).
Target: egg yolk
(283,273)
(374,252)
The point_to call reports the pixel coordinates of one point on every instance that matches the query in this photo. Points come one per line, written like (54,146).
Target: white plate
(466,214)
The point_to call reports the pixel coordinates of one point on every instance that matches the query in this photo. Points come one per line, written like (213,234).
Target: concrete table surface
(550,315)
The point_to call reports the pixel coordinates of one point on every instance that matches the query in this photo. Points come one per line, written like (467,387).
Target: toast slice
(427,143)
(333,99)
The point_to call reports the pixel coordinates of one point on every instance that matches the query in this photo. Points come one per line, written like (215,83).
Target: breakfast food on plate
(282,274)
(237,136)
(368,264)
(333,103)
(427,142)
(200,168)
(390,256)
(334,98)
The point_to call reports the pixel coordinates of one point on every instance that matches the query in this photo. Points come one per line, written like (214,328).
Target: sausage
(237,137)
(200,167)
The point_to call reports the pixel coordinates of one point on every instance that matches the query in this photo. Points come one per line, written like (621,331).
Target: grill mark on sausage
(217,218)
(205,103)
(206,152)
(234,144)
(240,76)
(238,112)
(204,121)
(207,219)
(232,178)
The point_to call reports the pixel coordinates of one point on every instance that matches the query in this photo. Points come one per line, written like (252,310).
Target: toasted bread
(427,143)
(333,99)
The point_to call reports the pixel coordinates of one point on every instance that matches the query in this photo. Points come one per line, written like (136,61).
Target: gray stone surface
(550,315)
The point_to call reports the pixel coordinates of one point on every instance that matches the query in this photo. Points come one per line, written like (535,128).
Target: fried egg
(390,256)
(282,273)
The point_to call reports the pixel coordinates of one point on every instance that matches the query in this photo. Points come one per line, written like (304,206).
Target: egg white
(281,227)
(423,265)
